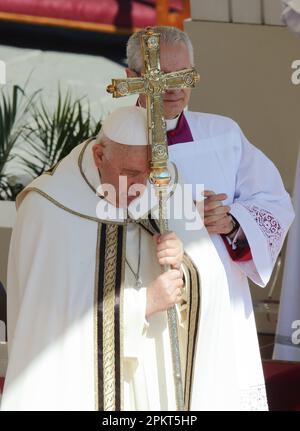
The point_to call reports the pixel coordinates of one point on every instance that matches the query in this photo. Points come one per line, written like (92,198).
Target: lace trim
(269,226)
(254,399)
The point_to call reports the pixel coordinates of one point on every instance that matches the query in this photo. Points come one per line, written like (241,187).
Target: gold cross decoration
(153,82)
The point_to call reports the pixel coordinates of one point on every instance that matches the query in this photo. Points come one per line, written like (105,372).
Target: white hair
(168,36)
(109,145)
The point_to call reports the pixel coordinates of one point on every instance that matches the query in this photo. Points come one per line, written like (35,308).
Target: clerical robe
(78,338)
(212,150)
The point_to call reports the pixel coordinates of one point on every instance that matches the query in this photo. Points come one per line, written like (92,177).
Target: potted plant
(36,138)
(51,135)
(14,112)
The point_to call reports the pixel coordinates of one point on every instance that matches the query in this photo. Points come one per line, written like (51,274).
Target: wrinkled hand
(169,250)
(164,292)
(216,218)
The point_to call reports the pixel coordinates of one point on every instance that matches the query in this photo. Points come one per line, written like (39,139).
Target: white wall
(239,11)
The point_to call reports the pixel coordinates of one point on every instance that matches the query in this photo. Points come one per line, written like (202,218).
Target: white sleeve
(263,209)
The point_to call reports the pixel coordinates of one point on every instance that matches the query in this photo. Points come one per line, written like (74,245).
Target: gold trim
(109,318)
(96,316)
(194,293)
(80,160)
(109,393)
(52,170)
(67,23)
(122,292)
(145,223)
(76,213)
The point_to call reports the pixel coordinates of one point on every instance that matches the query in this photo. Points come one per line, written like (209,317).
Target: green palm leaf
(52,135)
(14,110)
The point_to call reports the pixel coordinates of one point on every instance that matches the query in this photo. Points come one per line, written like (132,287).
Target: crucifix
(153,83)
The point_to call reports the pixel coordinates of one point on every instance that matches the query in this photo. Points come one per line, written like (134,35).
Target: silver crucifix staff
(153,83)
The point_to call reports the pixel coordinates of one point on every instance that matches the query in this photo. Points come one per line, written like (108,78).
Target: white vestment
(224,161)
(51,308)
(51,284)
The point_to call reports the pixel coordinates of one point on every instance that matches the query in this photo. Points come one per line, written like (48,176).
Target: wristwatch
(235,223)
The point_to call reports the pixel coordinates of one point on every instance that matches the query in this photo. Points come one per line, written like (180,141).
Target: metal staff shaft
(160,177)
(172,316)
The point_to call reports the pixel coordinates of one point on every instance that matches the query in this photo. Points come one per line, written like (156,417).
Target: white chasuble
(78,339)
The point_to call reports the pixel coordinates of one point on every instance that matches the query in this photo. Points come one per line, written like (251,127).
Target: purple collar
(182,133)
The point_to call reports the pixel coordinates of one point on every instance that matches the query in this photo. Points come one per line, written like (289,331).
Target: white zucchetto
(126,125)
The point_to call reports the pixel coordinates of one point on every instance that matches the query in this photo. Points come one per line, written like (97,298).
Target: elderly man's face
(128,164)
(172,59)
